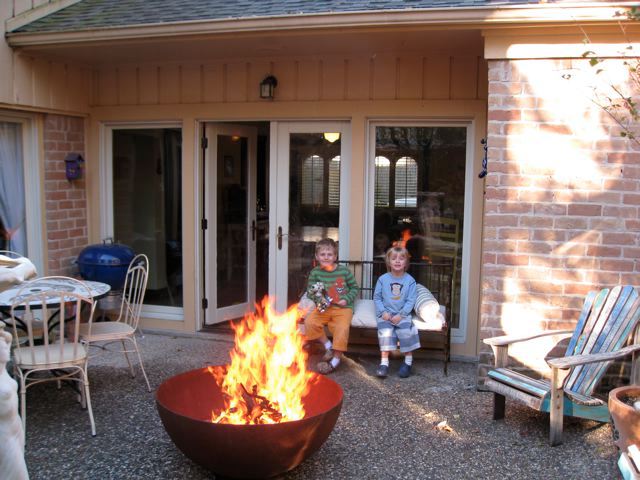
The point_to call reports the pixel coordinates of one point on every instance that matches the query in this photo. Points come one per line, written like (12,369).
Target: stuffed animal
(318,294)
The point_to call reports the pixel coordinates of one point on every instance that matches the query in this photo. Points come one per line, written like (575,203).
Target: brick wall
(66,201)
(562,204)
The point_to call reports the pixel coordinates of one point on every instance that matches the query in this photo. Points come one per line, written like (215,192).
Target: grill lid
(107,253)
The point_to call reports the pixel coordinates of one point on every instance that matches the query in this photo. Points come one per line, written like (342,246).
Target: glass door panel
(308,194)
(231,201)
(419,187)
(232,221)
(147,205)
(314,202)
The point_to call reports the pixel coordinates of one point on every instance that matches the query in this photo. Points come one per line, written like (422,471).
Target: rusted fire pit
(185,403)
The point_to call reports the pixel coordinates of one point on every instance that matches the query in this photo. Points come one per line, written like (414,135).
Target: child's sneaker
(382,371)
(404,371)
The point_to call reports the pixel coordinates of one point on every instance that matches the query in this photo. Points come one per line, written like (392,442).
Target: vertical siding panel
(148,79)
(464,73)
(213,82)
(308,80)
(285,72)
(236,82)
(169,84)
(191,84)
(409,78)
(128,86)
(358,78)
(258,70)
(436,78)
(79,87)
(6,59)
(107,93)
(483,78)
(384,77)
(333,79)
(21,6)
(41,79)
(59,91)
(23,80)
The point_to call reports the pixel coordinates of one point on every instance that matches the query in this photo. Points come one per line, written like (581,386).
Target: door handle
(253,230)
(280,236)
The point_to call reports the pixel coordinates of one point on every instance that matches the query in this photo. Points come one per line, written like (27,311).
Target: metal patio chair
(51,340)
(123,329)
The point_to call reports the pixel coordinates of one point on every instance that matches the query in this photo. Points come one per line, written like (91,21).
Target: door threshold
(222,327)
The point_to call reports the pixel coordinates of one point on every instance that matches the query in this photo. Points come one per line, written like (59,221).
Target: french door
(309,175)
(230,198)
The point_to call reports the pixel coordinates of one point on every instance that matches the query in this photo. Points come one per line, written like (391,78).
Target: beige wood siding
(380,77)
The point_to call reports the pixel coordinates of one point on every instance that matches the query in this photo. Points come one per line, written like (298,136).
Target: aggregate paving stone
(427,426)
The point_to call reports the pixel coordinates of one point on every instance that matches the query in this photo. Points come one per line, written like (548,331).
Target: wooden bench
(436,277)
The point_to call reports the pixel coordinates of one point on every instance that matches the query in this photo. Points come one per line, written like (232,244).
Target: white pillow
(364,314)
(436,323)
(426,306)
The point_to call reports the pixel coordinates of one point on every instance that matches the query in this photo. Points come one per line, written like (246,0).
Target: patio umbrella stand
(186,401)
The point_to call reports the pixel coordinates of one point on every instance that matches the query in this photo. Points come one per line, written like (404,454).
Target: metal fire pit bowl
(185,403)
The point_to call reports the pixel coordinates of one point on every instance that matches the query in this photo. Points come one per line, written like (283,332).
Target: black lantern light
(268,86)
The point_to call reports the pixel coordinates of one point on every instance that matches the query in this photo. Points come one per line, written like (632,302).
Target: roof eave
(484,17)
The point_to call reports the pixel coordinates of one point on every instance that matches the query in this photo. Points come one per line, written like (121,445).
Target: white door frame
(279,197)
(213,314)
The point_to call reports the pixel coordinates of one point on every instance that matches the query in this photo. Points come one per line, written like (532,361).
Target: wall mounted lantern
(72,168)
(268,86)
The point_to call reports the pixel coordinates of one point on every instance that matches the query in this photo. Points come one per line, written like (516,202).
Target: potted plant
(624,406)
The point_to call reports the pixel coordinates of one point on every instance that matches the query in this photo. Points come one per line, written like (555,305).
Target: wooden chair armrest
(573,360)
(509,339)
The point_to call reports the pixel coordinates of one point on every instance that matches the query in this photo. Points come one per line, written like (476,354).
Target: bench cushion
(364,316)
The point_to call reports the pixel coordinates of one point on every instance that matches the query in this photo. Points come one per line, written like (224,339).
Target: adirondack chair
(607,319)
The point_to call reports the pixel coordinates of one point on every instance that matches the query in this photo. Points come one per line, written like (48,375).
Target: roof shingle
(96,14)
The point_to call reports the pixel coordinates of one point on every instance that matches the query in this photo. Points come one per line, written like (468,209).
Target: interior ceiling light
(331,136)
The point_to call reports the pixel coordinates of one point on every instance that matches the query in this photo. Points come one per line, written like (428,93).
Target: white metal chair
(124,328)
(52,319)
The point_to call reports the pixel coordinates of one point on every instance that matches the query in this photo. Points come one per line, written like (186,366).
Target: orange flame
(406,235)
(267,377)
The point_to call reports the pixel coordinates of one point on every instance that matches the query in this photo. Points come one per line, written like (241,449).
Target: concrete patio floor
(387,428)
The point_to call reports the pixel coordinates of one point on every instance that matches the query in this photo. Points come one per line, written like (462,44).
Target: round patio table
(17,292)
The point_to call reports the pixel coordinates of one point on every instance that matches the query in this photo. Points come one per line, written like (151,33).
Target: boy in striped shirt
(341,289)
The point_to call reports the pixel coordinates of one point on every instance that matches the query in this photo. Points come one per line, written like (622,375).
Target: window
(13,215)
(381,195)
(147,205)
(20,212)
(312,180)
(406,184)
(334,182)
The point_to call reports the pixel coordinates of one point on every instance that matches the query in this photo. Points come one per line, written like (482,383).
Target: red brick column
(66,201)
(562,204)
